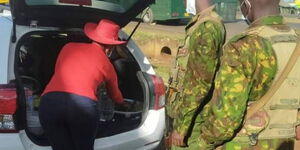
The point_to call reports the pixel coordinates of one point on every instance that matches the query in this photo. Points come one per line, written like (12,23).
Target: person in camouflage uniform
(247,68)
(196,64)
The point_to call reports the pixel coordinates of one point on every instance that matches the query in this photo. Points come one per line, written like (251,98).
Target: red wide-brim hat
(105,32)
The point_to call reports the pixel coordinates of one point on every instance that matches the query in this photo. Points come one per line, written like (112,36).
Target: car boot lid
(75,13)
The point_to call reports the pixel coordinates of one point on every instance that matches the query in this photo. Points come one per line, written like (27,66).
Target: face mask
(190,7)
(246,19)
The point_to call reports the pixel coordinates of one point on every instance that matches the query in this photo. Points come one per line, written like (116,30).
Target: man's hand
(177,139)
(298,132)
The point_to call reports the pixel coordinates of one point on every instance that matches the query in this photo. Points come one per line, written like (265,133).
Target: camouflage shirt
(204,46)
(247,68)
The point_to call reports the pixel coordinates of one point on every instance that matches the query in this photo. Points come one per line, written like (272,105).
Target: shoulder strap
(261,102)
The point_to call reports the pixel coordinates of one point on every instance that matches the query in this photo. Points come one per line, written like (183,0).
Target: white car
(29,45)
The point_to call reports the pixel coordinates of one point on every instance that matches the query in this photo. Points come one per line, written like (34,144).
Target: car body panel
(10,141)
(149,132)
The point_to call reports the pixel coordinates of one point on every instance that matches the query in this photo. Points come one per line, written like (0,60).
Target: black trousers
(70,121)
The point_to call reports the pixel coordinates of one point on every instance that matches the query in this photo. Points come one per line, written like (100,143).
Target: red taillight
(159,91)
(8,105)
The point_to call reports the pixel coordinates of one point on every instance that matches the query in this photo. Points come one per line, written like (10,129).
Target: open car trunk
(35,58)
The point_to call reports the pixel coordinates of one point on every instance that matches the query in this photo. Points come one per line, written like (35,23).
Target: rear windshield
(118,6)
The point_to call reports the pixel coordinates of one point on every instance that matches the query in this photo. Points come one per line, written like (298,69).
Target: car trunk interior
(36,54)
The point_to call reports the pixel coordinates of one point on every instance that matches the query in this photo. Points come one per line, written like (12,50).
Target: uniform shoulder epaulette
(254,30)
(237,37)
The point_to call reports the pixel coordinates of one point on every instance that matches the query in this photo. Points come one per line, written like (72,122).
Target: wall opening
(165,50)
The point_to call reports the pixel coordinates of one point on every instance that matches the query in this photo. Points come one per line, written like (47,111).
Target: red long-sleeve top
(80,68)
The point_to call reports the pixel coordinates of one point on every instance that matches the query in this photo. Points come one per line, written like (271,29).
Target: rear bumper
(146,137)
(10,141)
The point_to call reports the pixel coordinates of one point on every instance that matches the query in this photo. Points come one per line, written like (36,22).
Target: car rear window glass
(118,6)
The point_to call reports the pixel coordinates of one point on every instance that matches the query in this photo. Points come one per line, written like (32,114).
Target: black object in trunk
(120,123)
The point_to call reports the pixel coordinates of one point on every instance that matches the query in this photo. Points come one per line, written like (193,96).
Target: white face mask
(190,7)
(245,17)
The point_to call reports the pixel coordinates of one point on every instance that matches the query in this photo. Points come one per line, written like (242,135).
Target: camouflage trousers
(273,144)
